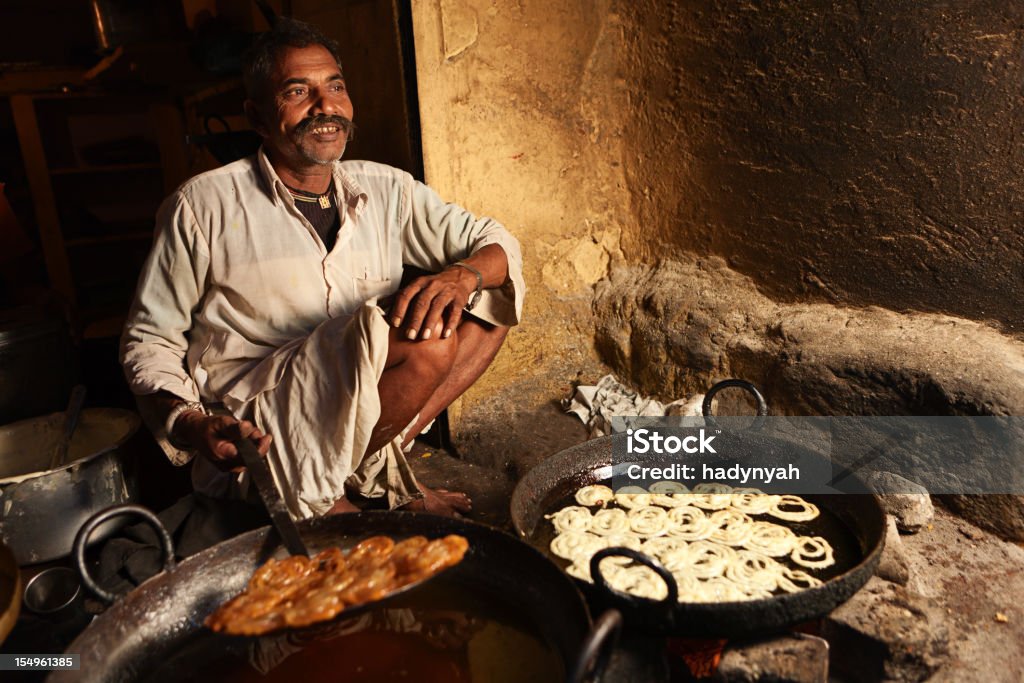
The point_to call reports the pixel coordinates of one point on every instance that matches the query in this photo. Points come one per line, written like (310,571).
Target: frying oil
(440,633)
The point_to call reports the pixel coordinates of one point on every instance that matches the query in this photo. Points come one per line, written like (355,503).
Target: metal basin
(42,509)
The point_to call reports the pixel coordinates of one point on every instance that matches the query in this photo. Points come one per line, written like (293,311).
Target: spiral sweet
(596,495)
(706,538)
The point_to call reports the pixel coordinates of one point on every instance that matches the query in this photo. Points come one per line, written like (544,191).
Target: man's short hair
(261,59)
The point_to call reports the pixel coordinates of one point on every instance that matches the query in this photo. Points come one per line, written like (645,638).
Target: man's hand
(212,436)
(431,306)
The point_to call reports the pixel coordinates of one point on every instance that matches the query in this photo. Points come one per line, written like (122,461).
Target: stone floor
(976,581)
(488,464)
(503,435)
(953,615)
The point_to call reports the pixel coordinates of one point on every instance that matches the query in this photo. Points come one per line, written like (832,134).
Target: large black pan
(164,616)
(556,478)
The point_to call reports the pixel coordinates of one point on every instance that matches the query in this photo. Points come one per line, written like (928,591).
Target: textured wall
(860,152)
(675,328)
(521,111)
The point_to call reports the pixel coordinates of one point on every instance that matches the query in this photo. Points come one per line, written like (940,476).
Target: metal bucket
(41,509)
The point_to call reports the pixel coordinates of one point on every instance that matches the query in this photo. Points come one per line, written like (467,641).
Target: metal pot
(157,629)
(42,509)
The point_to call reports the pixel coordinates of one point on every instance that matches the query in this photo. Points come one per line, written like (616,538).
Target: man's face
(307,117)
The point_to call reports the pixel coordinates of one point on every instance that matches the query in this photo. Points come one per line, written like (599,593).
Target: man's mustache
(344,124)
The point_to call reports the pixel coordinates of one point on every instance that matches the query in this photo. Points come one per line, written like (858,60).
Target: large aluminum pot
(42,509)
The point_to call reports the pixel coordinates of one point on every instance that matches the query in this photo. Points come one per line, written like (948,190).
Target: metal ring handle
(597,648)
(670,581)
(82,540)
(762,405)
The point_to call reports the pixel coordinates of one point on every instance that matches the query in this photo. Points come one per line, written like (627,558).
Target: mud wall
(854,153)
(521,115)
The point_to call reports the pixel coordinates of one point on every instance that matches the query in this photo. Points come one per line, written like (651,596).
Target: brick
(783,659)
(886,632)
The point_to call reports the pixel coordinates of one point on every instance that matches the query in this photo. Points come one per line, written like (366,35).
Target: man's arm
(436,235)
(155,343)
(433,304)
(211,436)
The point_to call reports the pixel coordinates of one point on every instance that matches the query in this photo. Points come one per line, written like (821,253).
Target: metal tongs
(260,473)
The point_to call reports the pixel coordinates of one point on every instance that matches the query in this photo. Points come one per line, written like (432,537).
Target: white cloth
(597,404)
(238,280)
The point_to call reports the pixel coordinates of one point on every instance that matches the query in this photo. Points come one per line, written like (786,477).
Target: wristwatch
(479,284)
(173,416)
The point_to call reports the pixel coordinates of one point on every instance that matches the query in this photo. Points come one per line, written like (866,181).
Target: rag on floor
(596,405)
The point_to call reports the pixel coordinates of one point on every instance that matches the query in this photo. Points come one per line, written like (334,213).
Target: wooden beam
(47,220)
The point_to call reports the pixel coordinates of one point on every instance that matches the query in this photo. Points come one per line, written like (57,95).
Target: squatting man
(260,313)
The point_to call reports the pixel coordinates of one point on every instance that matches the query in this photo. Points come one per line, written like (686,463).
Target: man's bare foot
(342,505)
(441,502)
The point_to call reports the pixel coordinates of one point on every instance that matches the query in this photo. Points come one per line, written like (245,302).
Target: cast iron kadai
(158,620)
(167,546)
(557,477)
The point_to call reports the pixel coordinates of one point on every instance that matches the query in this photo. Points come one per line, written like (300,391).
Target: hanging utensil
(226,145)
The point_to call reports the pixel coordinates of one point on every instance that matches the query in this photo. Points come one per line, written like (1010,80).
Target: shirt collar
(347,188)
(351,192)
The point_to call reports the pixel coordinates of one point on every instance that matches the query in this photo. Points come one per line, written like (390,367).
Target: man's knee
(432,359)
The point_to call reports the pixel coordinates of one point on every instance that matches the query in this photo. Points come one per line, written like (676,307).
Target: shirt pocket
(371,290)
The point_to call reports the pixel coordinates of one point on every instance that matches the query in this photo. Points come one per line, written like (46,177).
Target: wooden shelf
(95,220)
(16,81)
